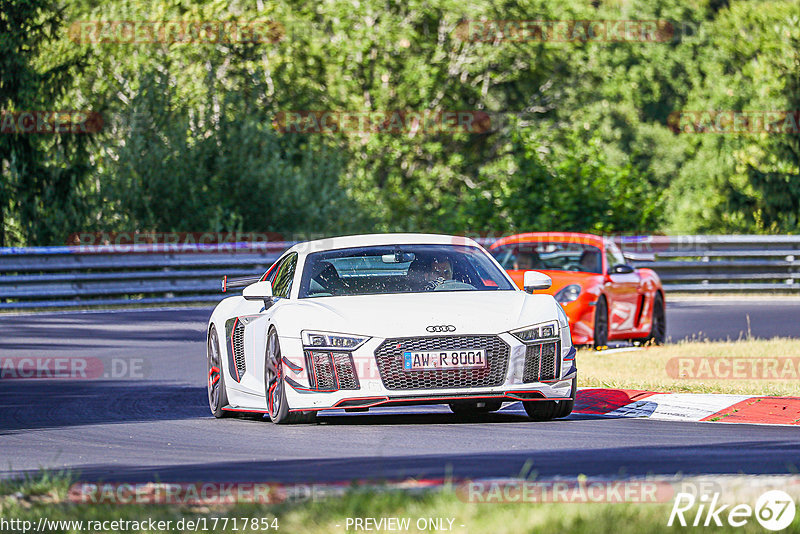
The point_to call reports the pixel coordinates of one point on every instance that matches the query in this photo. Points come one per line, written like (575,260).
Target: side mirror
(258,291)
(533,280)
(621,268)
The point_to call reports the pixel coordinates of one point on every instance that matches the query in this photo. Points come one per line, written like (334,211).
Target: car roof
(367,240)
(558,237)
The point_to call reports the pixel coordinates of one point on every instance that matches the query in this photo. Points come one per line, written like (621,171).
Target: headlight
(568,294)
(537,332)
(327,340)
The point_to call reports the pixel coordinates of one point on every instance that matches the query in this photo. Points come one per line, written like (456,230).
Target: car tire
(601,324)
(275,387)
(541,410)
(217,395)
(658,330)
(565,407)
(473,408)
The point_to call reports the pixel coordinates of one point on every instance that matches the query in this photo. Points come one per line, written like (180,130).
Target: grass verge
(649,368)
(46,496)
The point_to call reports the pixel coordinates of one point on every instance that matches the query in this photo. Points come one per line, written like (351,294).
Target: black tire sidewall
(223,395)
(282,415)
(597,313)
(658,304)
(565,407)
(541,410)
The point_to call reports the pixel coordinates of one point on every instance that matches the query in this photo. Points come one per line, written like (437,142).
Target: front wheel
(217,396)
(601,324)
(566,406)
(548,410)
(658,328)
(541,410)
(277,406)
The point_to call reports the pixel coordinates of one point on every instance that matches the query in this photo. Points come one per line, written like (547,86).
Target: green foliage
(42,177)
(748,59)
(220,168)
(576,189)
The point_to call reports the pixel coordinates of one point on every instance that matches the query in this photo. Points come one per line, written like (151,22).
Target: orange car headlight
(568,294)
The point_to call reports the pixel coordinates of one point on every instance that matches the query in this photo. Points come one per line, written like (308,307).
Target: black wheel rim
(214,376)
(272,372)
(601,325)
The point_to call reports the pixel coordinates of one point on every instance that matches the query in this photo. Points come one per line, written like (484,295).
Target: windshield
(400,269)
(549,256)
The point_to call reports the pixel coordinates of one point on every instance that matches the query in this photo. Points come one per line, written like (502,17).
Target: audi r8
(605,298)
(385,320)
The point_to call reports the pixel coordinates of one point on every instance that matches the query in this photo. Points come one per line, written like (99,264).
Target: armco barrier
(46,277)
(716,263)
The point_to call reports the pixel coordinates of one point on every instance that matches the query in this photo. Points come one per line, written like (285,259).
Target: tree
(43,175)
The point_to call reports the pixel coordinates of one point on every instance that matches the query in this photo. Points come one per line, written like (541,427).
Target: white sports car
(385,320)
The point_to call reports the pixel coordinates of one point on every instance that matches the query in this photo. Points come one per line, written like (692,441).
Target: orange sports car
(605,298)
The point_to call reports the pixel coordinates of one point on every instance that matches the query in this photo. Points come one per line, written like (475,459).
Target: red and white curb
(688,406)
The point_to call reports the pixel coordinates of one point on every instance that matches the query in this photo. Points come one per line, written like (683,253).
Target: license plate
(444,359)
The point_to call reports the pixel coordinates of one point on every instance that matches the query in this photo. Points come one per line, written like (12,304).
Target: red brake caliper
(213,376)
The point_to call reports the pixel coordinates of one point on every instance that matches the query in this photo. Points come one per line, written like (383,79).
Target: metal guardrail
(47,277)
(718,263)
(98,275)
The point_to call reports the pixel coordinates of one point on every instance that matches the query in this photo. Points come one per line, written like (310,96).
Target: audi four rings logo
(441,328)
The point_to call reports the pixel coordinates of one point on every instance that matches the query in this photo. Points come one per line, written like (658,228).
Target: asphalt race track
(146,416)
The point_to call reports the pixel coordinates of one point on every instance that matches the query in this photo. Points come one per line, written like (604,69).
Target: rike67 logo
(774,510)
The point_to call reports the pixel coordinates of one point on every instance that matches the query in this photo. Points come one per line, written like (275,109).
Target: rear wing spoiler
(238,283)
(639,256)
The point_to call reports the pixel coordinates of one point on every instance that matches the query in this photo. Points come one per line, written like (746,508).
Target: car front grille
(541,362)
(331,371)
(345,370)
(389,357)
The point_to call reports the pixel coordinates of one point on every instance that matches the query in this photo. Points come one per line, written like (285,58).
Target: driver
(590,261)
(441,270)
(526,261)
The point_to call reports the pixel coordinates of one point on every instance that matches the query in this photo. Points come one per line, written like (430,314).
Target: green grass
(647,368)
(46,496)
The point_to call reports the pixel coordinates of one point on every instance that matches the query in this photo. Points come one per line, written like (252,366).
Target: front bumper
(514,385)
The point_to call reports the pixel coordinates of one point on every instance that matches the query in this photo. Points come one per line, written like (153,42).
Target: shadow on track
(59,404)
(774,457)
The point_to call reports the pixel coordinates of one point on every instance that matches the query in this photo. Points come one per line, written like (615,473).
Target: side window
(283,276)
(270,274)
(613,255)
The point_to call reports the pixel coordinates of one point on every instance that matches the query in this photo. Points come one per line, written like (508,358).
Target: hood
(408,314)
